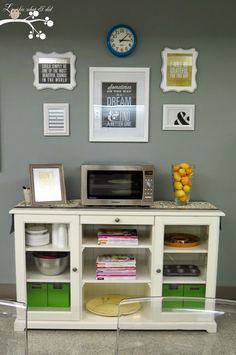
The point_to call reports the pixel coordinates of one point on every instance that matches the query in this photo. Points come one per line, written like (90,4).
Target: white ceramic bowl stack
(37,235)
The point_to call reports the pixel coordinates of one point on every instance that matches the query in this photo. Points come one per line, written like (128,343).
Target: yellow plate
(107,305)
(181,240)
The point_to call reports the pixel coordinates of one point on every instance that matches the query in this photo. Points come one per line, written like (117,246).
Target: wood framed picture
(178,117)
(47,184)
(54,70)
(119,104)
(56,119)
(179,69)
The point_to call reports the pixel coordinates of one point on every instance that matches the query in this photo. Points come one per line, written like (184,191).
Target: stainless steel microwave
(117,185)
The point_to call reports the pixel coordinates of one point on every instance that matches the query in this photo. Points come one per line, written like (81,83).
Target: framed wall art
(56,119)
(54,70)
(178,117)
(47,184)
(179,69)
(119,104)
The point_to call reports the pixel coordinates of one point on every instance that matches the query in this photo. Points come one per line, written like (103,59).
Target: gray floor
(77,342)
(48,342)
(63,342)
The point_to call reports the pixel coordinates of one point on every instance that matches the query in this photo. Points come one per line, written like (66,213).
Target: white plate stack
(37,235)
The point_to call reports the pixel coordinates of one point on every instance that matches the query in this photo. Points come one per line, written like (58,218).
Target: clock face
(121,40)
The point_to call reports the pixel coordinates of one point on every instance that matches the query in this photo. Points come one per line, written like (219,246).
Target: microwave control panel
(148,186)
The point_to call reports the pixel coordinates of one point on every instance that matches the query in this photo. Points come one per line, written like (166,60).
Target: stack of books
(116,267)
(118,237)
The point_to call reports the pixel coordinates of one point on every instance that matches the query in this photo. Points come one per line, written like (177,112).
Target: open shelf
(201,279)
(47,247)
(89,234)
(89,275)
(202,248)
(33,275)
(89,242)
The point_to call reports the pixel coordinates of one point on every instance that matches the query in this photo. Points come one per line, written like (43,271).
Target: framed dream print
(47,184)
(54,70)
(178,117)
(179,69)
(119,104)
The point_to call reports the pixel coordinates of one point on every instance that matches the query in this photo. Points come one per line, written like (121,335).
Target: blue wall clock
(121,40)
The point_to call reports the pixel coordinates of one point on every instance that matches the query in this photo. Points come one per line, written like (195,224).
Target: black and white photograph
(178,117)
(56,119)
(119,104)
(54,70)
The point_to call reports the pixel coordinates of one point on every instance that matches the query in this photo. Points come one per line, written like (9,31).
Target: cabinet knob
(117,220)
(75,269)
(158,271)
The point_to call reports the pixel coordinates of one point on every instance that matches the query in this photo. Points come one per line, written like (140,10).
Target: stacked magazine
(118,237)
(116,267)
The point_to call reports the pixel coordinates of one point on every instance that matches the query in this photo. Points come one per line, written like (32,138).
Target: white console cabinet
(151,254)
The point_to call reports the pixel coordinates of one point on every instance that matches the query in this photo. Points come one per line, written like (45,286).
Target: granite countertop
(162,205)
(192,205)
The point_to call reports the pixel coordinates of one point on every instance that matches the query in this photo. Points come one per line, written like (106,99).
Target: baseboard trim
(8,291)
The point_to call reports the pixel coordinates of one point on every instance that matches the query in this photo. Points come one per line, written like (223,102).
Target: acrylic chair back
(13,328)
(139,319)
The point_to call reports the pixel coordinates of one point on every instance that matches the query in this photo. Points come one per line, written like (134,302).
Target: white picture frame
(56,119)
(179,70)
(118,104)
(178,117)
(54,70)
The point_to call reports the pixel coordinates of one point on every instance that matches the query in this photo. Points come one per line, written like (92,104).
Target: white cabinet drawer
(117,219)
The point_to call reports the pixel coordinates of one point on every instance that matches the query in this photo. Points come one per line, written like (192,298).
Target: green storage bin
(58,295)
(172,290)
(194,290)
(37,295)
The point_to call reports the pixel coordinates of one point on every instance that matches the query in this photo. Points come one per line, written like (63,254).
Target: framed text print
(119,101)
(47,184)
(179,69)
(56,119)
(54,70)
(178,117)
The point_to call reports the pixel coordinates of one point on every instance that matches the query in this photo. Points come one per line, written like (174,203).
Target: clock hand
(123,39)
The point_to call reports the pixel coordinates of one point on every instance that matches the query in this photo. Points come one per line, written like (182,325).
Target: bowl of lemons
(182,175)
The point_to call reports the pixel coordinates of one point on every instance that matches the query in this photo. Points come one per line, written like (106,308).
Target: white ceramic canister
(59,235)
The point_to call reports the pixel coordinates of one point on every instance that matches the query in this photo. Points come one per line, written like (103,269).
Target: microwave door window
(115,184)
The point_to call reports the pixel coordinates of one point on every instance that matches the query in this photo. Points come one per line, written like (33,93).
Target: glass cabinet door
(186,250)
(47,259)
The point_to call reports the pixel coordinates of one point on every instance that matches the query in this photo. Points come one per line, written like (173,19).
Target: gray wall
(81,27)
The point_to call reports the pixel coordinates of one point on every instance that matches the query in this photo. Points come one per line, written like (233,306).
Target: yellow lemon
(176,167)
(185,180)
(189,171)
(179,193)
(182,172)
(183,198)
(178,185)
(186,188)
(184,165)
(176,176)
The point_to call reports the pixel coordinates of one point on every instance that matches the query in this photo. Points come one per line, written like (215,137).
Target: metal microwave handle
(117,220)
